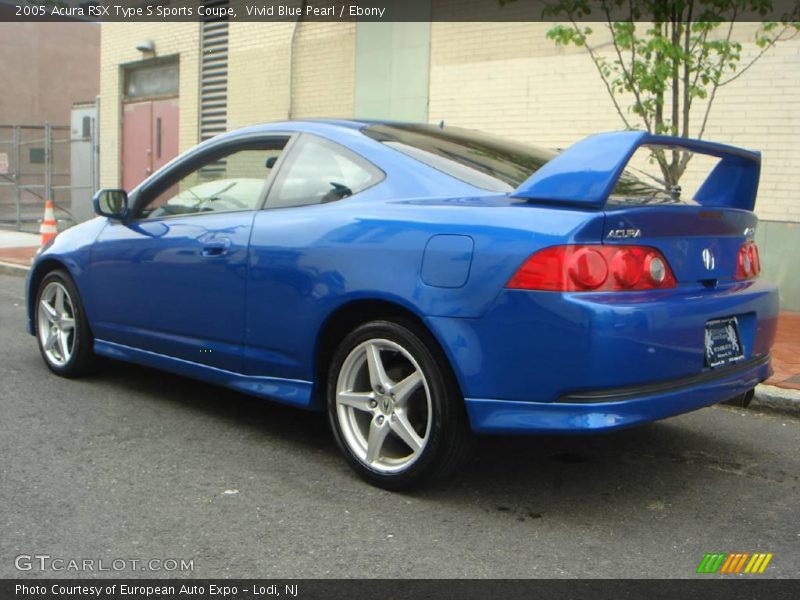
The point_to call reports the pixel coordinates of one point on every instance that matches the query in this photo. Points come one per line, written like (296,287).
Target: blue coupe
(422,283)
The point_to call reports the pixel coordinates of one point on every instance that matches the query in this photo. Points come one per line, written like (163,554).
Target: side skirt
(294,392)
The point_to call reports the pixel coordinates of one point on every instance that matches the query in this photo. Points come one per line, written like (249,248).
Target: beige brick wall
(118,47)
(322,74)
(516,82)
(324,70)
(258,55)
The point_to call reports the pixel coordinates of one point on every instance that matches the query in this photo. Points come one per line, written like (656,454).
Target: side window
(230,182)
(318,171)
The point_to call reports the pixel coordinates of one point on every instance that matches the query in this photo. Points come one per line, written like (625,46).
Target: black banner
(362,589)
(369,10)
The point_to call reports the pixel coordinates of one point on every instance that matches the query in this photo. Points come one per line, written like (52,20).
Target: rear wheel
(394,407)
(62,331)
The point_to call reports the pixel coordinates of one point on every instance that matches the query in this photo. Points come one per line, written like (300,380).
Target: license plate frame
(723,342)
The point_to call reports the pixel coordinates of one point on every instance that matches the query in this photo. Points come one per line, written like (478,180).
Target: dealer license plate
(723,344)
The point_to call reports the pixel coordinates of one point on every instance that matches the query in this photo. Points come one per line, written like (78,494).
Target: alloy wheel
(56,324)
(383,405)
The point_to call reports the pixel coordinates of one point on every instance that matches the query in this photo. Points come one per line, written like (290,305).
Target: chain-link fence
(39,163)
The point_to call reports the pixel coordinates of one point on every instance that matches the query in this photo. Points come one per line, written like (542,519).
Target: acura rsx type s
(421,283)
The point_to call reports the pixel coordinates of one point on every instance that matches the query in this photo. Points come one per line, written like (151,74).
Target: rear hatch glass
(494,163)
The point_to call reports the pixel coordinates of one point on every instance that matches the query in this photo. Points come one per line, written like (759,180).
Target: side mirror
(111,203)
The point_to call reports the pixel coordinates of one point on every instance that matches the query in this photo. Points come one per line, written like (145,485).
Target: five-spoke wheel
(56,324)
(65,340)
(394,407)
(383,405)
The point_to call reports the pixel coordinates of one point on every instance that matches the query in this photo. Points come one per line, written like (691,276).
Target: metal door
(137,141)
(149,138)
(165,132)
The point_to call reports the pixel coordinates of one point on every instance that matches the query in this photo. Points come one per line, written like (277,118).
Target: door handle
(218,247)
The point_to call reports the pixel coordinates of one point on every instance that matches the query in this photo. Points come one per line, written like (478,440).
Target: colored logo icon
(734,562)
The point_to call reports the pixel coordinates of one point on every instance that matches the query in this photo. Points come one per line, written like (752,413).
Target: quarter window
(318,171)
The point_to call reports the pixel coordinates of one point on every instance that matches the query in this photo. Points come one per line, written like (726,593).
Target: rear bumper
(607,410)
(562,362)
(542,346)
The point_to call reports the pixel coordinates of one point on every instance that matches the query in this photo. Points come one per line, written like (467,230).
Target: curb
(8,268)
(773,399)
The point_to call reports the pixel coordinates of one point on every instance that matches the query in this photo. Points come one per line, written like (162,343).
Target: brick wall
(324,70)
(322,74)
(45,68)
(258,72)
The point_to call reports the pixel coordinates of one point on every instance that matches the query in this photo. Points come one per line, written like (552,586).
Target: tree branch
(676,42)
(660,94)
(698,71)
(769,45)
(687,100)
(628,76)
(597,65)
(715,87)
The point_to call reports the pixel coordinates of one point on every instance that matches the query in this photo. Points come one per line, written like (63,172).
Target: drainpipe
(96,146)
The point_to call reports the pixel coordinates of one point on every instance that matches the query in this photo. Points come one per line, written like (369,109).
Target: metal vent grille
(214,73)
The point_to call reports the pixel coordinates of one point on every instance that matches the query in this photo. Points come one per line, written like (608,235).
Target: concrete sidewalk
(779,392)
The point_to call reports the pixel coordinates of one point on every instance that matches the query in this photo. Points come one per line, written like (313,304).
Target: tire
(395,408)
(62,330)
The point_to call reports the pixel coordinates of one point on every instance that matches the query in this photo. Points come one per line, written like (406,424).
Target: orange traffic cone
(48,228)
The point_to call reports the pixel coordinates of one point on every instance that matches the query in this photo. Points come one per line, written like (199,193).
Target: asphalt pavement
(135,464)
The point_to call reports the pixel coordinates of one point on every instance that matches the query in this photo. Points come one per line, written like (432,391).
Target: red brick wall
(45,68)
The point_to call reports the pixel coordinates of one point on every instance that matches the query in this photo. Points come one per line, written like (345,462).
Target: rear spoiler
(585,173)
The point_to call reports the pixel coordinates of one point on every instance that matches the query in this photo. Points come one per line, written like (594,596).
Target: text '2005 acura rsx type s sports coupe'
(422,284)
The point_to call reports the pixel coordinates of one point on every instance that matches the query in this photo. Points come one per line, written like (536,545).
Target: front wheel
(65,340)
(394,406)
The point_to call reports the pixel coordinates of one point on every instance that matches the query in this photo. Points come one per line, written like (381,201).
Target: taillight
(748,263)
(577,268)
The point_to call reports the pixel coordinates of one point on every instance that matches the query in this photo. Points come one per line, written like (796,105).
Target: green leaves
(564,36)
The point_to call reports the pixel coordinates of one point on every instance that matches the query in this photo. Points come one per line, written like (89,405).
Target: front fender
(71,251)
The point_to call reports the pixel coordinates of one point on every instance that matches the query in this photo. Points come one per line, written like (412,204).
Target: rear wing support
(585,173)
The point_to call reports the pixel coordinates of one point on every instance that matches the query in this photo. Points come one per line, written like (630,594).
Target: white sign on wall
(4,163)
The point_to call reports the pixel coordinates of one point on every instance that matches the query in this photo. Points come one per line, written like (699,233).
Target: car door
(171,278)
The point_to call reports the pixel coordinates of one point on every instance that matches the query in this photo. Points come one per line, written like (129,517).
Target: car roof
(332,128)
(303,124)
(319,124)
